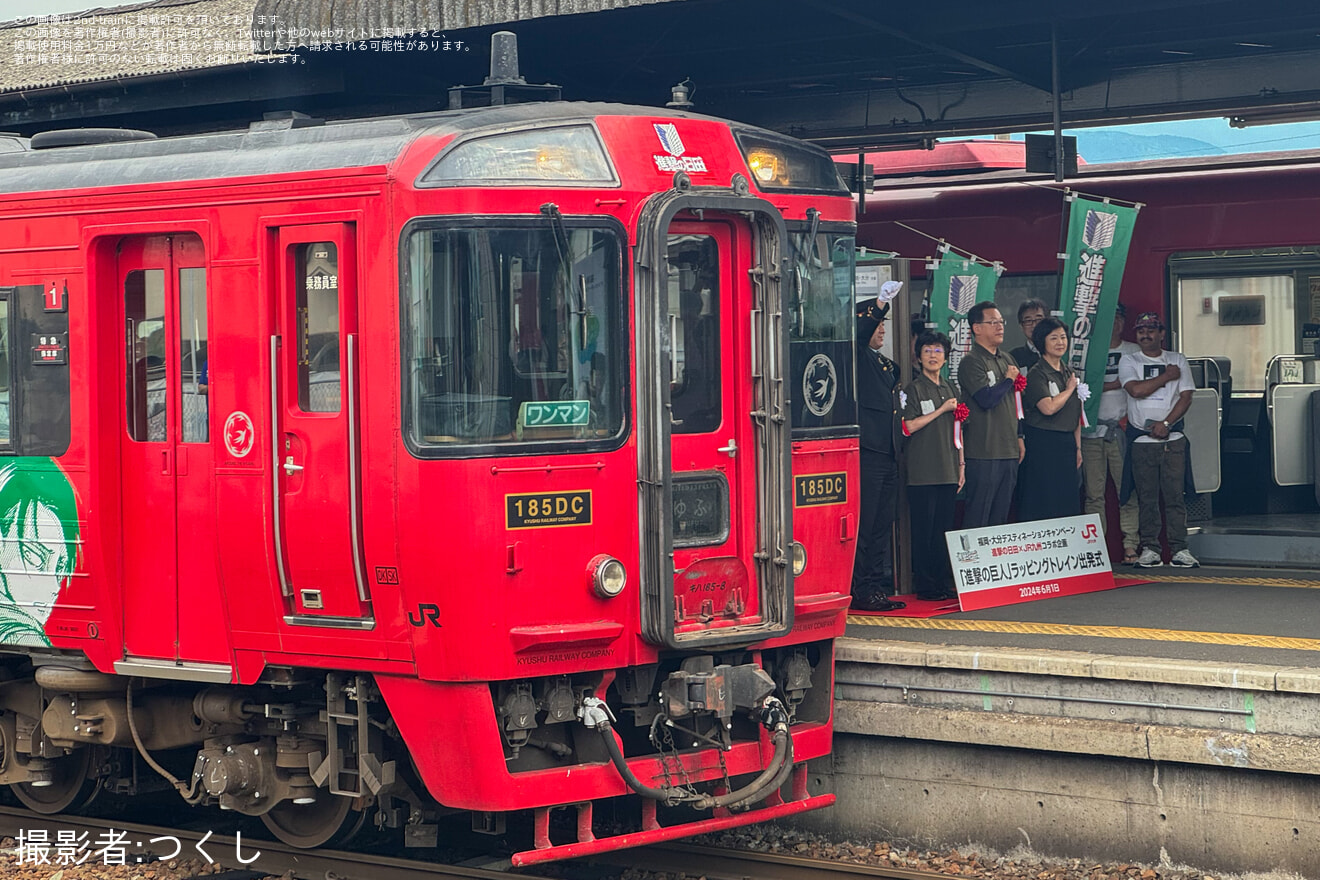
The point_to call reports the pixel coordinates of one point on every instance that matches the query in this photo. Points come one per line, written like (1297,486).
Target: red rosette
(1020,383)
(961,412)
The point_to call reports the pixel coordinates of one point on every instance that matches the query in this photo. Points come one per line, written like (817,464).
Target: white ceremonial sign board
(1022,562)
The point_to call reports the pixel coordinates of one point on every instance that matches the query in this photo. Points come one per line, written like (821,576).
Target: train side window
(193,367)
(6,437)
(144,306)
(319,381)
(35,412)
(1247,319)
(512,335)
(694,322)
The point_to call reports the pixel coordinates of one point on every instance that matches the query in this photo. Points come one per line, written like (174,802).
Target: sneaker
(1151,559)
(1184,559)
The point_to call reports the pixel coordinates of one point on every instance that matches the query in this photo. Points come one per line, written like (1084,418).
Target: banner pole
(1058,102)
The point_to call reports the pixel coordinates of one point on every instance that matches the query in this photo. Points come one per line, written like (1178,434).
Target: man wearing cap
(1104,446)
(991,446)
(1159,387)
(877,377)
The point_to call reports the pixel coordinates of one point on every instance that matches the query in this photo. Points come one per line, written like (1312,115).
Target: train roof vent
(283,120)
(504,85)
(82,137)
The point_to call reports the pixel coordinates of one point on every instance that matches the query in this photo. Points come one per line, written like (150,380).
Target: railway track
(277,859)
(724,864)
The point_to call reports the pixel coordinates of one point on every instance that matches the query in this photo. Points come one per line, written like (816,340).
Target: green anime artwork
(38,546)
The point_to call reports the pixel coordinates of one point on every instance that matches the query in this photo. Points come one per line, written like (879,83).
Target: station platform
(1176,721)
(1234,615)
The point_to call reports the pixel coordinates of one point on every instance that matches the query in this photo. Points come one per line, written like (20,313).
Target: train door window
(318,327)
(694,327)
(144,305)
(193,367)
(513,335)
(1247,319)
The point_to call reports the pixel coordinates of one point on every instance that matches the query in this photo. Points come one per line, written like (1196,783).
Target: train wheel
(72,785)
(330,820)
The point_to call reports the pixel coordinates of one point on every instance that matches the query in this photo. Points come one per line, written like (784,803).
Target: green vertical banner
(1098,237)
(958,283)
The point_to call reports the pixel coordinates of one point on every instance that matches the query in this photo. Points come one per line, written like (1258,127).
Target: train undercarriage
(318,757)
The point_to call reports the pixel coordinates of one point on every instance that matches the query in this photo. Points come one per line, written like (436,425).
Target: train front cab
(733,647)
(1244,320)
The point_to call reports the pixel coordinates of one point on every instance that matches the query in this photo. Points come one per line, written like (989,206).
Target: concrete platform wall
(937,795)
(1073,754)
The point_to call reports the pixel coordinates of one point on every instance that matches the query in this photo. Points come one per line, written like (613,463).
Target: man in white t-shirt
(1104,447)
(1159,387)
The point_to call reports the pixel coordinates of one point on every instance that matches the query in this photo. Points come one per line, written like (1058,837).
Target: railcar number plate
(542,509)
(811,490)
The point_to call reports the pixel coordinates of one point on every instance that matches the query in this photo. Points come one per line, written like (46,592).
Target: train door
(711,450)
(170,580)
(721,428)
(314,401)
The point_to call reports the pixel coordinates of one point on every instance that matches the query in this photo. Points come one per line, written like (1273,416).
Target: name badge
(927,407)
(1054,389)
(990,376)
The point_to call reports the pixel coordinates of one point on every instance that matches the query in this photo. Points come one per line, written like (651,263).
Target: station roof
(849,74)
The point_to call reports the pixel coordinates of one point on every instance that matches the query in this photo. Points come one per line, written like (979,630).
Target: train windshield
(821,328)
(512,336)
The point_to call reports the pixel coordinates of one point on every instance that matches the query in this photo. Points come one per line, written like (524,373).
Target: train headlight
(766,165)
(799,558)
(608,576)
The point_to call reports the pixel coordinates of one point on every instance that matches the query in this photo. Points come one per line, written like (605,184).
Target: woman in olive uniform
(934,467)
(1053,414)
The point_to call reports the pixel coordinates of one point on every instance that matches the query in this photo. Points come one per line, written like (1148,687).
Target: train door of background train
(171,586)
(712,450)
(315,410)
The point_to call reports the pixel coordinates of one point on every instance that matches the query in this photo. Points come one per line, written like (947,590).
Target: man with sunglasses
(991,445)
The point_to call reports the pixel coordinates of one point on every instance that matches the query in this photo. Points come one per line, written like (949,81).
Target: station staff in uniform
(1053,430)
(1159,386)
(991,445)
(934,467)
(1104,446)
(877,380)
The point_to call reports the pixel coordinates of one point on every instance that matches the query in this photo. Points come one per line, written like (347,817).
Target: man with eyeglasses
(991,445)
(1030,313)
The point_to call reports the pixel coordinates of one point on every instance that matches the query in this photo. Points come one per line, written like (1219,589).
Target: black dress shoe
(876,602)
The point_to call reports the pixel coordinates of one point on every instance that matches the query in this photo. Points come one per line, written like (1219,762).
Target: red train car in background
(384,468)
(1223,248)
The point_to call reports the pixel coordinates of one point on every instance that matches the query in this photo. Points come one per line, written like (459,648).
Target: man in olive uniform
(991,444)
(877,378)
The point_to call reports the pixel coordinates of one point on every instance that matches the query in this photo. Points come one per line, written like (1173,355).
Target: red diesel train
(499,459)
